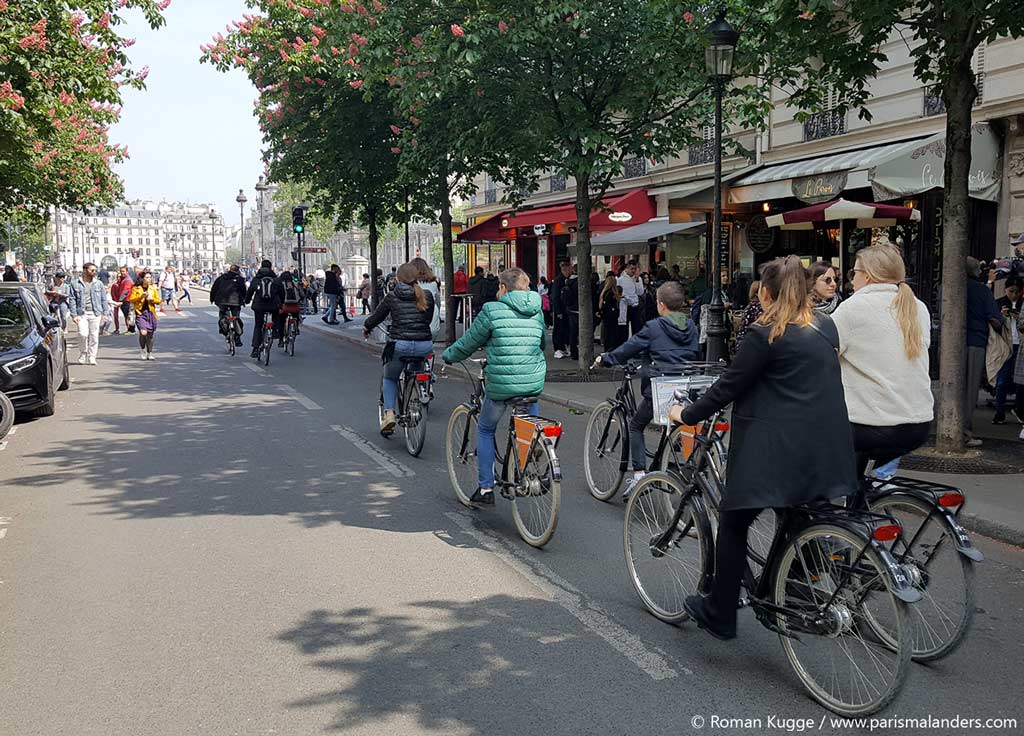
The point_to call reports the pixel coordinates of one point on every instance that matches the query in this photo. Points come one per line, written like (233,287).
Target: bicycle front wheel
(460,453)
(605,442)
(832,645)
(943,576)
(291,341)
(664,574)
(415,418)
(537,495)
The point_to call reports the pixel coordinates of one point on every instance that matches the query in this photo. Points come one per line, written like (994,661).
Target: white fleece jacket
(883,387)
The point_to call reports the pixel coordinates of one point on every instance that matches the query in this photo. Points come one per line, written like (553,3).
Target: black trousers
(257,327)
(635,317)
(560,331)
(637,424)
(883,445)
(573,333)
(730,562)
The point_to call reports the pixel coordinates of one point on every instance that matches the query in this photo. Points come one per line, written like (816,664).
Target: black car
(33,352)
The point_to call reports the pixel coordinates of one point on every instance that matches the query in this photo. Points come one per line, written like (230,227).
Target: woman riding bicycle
(410,308)
(787,394)
(884,334)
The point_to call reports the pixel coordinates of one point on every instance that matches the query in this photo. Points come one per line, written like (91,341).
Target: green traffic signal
(299,228)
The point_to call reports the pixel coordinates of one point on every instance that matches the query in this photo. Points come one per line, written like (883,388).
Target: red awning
(624,210)
(867,214)
(485,230)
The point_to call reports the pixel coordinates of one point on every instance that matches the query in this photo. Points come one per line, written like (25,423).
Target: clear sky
(191,134)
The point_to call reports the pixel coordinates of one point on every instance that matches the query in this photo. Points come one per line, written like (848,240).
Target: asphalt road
(197,546)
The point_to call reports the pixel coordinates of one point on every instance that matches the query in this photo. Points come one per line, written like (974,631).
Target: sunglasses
(852,271)
(828,279)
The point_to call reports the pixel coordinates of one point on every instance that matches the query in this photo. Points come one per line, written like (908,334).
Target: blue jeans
(393,368)
(332,307)
(165,296)
(1003,382)
(486,451)
(887,471)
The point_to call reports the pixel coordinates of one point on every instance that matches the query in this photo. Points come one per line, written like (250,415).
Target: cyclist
(266,298)
(512,330)
(665,343)
(786,388)
(228,293)
(292,296)
(410,308)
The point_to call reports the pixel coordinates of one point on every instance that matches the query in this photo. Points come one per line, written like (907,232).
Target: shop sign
(542,258)
(760,237)
(820,187)
(620,216)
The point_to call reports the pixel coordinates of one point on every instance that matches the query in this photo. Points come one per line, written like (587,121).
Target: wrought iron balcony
(634,167)
(933,102)
(825,125)
(490,196)
(557,182)
(703,152)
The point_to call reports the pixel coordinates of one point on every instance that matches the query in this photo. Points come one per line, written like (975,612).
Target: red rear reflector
(886,532)
(429,357)
(553,430)
(722,426)
(953,498)
(422,376)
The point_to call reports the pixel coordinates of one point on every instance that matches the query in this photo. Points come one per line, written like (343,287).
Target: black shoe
(334,322)
(238,342)
(486,499)
(999,418)
(1019,416)
(280,343)
(324,318)
(255,353)
(694,606)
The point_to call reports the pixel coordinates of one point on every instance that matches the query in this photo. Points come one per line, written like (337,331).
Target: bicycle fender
(961,538)
(556,468)
(898,579)
(707,537)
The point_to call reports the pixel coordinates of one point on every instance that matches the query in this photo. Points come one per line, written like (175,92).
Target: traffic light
(298,219)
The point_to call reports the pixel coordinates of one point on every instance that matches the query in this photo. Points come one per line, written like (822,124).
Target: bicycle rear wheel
(460,453)
(415,418)
(603,459)
(664,576)
(838,657)
(943,576)
(231,344)
(292,335)
(537,496)
(6,415)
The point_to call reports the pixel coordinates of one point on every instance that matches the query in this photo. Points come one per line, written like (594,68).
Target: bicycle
(827,585)
(414,395)
(231,332)
(291,333)
(530,475)
(267,344)
(938,556)
(606,461)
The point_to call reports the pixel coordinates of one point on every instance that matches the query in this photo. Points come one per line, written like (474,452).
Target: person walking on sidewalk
(364,293)
(88,303)
(120,292)
(559,311)
(144,298)
(982,314)
(332,293)
(168,283)
(1011,305)
(460,282)
(185,283)
(632,291)
(266,296)
(228,293)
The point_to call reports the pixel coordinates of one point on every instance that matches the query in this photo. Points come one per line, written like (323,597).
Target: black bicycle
(827,584)
(530,475)
(231,331)
(291,333)
(267,344)
(414,395)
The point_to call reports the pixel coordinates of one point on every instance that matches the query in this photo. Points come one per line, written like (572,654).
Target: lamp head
(722,40)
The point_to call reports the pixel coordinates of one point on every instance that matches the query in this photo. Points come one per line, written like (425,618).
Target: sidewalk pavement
(995,503)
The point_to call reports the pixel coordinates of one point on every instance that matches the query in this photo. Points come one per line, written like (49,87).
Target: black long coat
(791,439)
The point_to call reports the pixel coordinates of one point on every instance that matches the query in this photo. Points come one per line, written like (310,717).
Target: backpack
(291,293)
(265,289)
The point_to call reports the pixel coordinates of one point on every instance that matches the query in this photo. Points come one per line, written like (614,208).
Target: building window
(490,196)
(156,241)
(703,152)
(634,167)
(106,241)
(147,251)
(933,102)
(978,66)
(157,252)
(147,241)
(119,243)
(129,241)
(558,182)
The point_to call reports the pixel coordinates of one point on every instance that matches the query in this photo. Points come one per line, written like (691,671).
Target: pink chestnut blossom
(458,30)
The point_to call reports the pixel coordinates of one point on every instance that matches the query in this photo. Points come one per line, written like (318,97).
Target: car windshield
(12,312)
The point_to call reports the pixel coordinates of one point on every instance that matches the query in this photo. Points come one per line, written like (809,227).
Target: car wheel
(50,407)
(65,382)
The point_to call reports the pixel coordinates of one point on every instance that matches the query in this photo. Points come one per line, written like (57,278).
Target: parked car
(33,351)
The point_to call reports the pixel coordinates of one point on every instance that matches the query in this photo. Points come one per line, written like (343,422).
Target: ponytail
(883,264)
(786,280)
(409,273)
(905,307)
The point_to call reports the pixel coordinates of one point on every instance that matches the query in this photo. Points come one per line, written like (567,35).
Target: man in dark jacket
(571,302)
(266,296)
(666,343)
(332,292)
(559,312)
(228,293)
(475,288)
(1010,305)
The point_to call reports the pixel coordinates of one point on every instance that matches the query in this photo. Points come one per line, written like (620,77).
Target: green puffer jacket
(512,329)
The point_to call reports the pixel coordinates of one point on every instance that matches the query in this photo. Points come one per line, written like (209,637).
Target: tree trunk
(959,94)
(371,221)
(449,261)
(584,267)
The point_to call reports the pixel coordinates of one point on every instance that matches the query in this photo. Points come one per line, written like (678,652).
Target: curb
(992,529)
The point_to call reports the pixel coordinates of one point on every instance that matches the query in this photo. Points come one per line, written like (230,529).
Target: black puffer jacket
(407,322)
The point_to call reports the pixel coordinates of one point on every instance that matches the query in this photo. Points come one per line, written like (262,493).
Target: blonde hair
(409,273)
(785,280)
(884,265)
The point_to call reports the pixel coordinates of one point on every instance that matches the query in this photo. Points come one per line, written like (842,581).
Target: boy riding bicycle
(512,330)
(667,342)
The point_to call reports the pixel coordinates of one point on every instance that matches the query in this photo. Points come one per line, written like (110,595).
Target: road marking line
(575,602)
(14,431)
(3,532)
(3,445)
(301,398)
(255,368)
(383,459)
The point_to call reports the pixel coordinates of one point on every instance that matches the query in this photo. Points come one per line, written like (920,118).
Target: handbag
(1000,347)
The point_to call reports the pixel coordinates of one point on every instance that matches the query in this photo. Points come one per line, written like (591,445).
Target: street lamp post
(241,223)
(195,244)
(261,188)
(214,261)
(722,40)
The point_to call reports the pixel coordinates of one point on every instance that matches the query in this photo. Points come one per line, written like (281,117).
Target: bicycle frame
(540,435)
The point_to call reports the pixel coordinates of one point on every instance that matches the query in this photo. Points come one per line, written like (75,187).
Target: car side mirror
(50,323)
